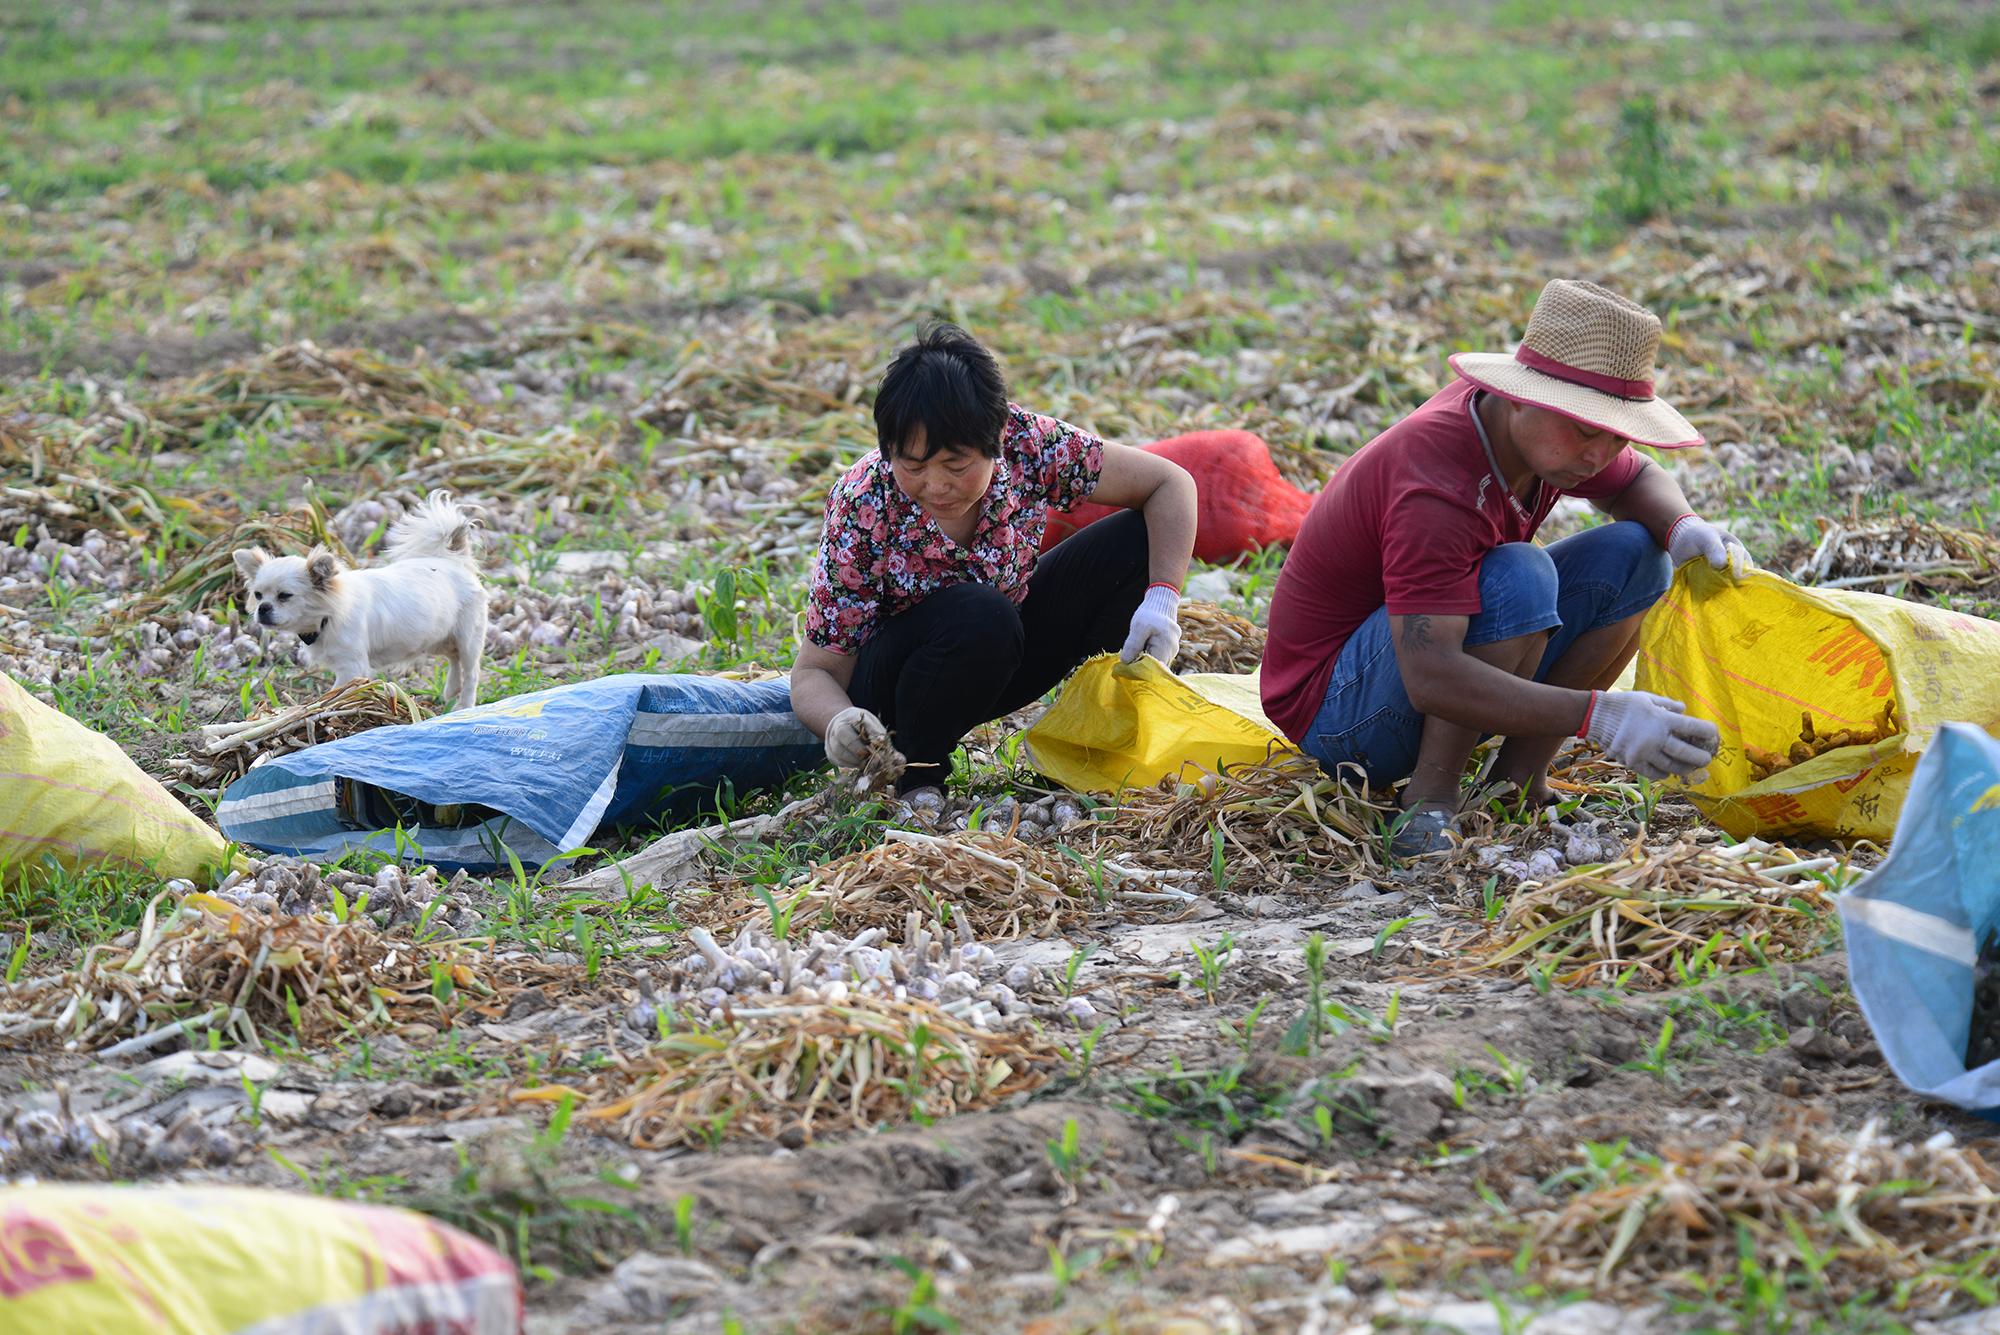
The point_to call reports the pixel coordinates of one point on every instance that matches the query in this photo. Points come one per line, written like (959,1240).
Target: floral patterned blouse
(882,555)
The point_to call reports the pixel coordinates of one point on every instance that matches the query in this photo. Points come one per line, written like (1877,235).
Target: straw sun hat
(1587,354)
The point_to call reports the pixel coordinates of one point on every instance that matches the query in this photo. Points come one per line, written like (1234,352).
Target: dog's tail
(437,528)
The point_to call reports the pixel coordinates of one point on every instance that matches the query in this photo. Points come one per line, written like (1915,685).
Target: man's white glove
(851,734)
(1156,627)
(1650,734)
(1693,536)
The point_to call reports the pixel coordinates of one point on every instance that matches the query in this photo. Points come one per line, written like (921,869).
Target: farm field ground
(625,274)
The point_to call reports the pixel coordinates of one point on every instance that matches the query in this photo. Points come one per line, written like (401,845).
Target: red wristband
(1588,710)
(1162,584)
(1676,524)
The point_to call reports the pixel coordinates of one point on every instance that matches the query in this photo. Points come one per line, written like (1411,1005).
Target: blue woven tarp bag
(1915,925)
(536,775)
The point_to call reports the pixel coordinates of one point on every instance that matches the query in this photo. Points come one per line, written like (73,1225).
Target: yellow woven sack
(238,1259)
(1757,656)
(1129,725)
(69,793)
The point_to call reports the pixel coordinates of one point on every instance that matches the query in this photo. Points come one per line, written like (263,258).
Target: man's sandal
(1424,831)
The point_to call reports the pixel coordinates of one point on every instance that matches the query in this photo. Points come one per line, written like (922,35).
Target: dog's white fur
(425,599)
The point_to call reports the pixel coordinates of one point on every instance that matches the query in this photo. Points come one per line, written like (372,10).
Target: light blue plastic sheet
(535,775)
(1914,924)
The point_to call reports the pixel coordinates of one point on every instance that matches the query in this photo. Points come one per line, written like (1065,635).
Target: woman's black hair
(947,383)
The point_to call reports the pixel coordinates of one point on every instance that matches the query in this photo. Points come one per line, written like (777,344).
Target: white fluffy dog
(425,599)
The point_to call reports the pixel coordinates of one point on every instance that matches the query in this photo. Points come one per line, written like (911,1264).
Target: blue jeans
(1591,579)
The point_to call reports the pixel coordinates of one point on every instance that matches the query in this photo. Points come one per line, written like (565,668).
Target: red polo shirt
(1405,523)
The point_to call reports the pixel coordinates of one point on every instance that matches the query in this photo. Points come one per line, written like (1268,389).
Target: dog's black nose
(264,616)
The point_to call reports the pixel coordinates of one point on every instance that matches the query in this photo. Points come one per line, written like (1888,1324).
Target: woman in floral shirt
(929,612)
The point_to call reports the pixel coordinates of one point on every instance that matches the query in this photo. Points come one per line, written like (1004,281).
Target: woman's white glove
(1693,536)
(851,735)
(1156,627)
(1650,734)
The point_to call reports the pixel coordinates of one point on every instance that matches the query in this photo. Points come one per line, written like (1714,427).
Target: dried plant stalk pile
(45,479)
(208,580)
(228,749)
(298,379)
(1282,821)
(1900,555)
(582,467)
(1827,1218)
(1584,771)
(998,887)
(203,962)
(807,1070)
(1739,907)
(1213,640)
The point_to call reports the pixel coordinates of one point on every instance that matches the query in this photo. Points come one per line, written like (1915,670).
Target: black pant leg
(1080,602)
(935,672)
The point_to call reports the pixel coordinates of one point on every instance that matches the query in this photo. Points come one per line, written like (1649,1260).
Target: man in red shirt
(1414,614)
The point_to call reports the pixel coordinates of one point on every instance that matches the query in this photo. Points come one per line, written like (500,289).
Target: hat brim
(1649,422)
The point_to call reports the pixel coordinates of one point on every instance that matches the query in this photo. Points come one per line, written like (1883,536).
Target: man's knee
(1650,569)
(1624,557)
(1517,595)
(1518,571)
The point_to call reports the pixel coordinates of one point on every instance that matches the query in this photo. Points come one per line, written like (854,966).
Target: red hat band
(1604,384)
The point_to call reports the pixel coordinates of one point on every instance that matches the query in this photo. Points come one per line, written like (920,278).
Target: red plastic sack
(1244,503)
